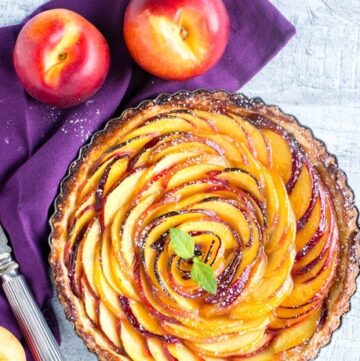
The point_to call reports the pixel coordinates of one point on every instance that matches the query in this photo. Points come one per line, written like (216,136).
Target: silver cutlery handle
(41,341)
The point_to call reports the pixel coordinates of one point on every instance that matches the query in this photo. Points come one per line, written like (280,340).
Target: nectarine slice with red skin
(190,173)
(110,326)
(129,148)
(293,312)
(253,309)
(203,123)
(148,321)
(154,299)
(206,329)
(78,228)
(88,250)
(319,244)
(315,287)
(106,293)
(299,333)
(226,125)
(260,146)
(263,345)
(118,196)
(113,273)
(111,174)
(302,193)
(314,268)
(91,303)
(223,299)
(236,218)
(129,338)
(142,328)
(74,265)
(244,180)
(293,147)
(152,302)
(230,345)
(158,350)
(282,158)
(162,126)
(92,181)
(182,353)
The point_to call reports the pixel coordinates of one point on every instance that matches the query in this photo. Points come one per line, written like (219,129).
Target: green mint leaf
(204,276)
(183,243)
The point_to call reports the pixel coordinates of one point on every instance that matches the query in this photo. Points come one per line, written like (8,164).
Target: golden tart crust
(347,252)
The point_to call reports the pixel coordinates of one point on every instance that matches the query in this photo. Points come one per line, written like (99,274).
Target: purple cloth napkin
(38,142)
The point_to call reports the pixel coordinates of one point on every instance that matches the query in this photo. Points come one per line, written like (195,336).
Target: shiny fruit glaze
(246,191)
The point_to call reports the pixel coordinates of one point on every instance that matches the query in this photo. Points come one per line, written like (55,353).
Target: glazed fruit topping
(202,235)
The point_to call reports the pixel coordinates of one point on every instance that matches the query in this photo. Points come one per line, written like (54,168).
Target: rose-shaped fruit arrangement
(203,227)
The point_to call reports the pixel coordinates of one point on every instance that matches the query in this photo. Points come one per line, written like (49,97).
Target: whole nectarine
(61,58)
(176,39)
(10,347)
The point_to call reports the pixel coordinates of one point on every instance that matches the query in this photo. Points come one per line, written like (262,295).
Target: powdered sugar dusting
(50,115)
(82,125)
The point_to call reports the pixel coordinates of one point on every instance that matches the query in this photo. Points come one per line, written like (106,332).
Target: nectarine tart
(271,244)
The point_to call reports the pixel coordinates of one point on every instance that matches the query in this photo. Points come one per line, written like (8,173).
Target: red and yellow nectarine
(177,39)
(60,58)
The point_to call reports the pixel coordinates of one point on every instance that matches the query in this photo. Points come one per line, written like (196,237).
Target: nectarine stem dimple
(183,33)
(62,56)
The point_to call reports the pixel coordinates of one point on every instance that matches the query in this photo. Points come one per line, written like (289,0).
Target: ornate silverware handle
(37,333)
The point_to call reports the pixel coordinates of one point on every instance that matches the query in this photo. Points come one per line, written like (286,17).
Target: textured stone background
(317,78)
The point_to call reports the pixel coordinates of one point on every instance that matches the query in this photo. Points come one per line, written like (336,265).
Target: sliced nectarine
(243,180)
(258,142)
(230,345)
(206,329)
(226,125)
(107,294)
(113,273)
(130,338)
(163,125)
(145,319)
(302,193)
(281,154)
(182,353)
(109,324)
(91,303)
(119,196)
(90,242)
(297,334)
(193,172)
(157,349)
(255,307)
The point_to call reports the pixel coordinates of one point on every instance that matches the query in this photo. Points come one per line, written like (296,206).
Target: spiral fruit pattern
(244,188)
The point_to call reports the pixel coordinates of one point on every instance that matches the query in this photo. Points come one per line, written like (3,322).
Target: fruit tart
(266,206)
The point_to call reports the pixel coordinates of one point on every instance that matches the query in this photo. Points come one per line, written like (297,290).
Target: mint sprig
(201,273)
(183,243)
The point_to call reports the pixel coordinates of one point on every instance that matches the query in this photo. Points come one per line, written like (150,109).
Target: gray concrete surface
(317,78)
